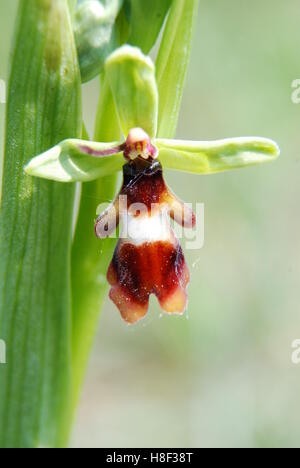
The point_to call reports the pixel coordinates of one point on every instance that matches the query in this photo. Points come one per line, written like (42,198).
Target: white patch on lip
(144,229)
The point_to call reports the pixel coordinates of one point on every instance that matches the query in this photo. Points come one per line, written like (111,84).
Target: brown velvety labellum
(148,259)
(144,183)
(153,268)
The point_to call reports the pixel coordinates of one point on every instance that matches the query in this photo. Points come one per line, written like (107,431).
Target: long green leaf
(208,157)
(172,63)
(35,231)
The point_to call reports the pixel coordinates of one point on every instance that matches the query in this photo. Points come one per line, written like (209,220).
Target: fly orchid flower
(148,258)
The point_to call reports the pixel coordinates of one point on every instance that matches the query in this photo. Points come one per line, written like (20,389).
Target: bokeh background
(221,376)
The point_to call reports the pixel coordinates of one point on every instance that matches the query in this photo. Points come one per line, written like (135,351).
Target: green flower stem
(91,256)
(172,63)
(35,231)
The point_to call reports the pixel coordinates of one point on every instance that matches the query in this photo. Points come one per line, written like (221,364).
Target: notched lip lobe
(138,272)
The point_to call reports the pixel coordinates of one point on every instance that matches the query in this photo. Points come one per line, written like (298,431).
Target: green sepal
(131,75)
(208,157)
(77,161)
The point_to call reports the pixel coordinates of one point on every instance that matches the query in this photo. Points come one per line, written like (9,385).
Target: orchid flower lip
(148,259)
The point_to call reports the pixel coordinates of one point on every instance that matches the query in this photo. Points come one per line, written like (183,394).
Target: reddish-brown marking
(159,267)
(101,153)
(144,183)
(152,268)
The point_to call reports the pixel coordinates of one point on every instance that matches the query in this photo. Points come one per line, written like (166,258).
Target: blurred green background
(222,375)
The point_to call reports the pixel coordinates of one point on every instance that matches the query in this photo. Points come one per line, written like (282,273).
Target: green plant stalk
(173,61)
(35,231)
(89,265)
(91,256)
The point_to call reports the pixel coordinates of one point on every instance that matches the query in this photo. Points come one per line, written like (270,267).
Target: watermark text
(296,353)
(2,352)
(295,96)
(141,223)
(2,92)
